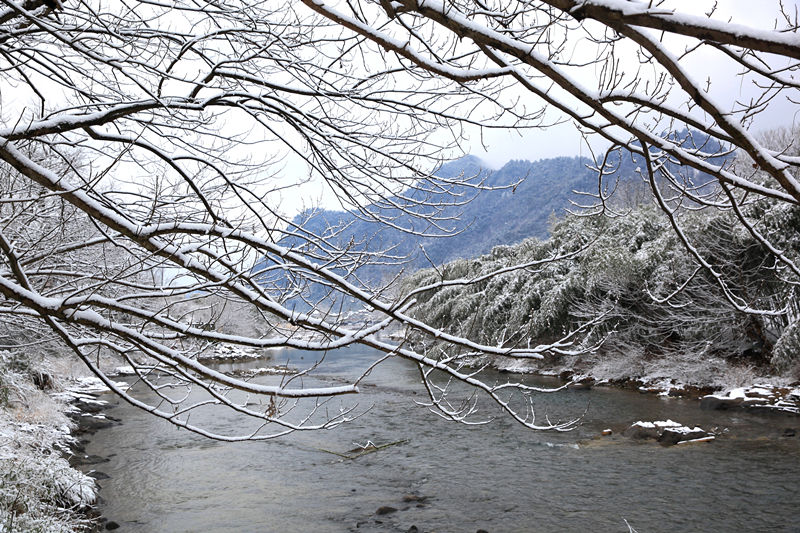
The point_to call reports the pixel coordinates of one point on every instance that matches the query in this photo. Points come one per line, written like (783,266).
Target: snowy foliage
(636,280)
(15,384)
(786,354)
(39,491)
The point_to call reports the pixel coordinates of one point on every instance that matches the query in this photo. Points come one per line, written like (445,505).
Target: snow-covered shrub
(638,284)
(786,353)
(42,493)
(15,385)
(39,491)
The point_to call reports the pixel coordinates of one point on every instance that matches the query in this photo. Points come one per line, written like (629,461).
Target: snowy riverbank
(715,381)
(40,419)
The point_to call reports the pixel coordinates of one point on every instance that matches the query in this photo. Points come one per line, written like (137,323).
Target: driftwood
(359,451)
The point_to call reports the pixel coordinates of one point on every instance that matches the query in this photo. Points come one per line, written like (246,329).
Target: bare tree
(181,112)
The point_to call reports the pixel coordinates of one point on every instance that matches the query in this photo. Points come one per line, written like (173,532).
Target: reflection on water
(497,477)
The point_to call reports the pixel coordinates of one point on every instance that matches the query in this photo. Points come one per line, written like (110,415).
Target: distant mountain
(503,216)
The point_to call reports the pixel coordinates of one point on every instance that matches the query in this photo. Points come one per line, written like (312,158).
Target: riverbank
(719,383)
(40,487)
(716,382)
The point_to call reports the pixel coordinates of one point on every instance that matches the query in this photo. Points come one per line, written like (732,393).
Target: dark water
(498,477)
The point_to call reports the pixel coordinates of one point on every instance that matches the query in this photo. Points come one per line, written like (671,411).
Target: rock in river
(667,432)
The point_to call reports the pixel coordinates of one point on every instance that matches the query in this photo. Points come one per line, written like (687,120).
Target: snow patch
(761,396)
(227,352)
(265,370)
(124,371)
(661,424)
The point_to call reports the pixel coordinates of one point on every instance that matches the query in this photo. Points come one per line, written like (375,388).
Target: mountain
(502,216)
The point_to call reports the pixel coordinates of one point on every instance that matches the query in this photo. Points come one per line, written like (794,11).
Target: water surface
(498,477)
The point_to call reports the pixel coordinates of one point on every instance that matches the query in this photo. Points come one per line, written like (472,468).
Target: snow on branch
(150,154)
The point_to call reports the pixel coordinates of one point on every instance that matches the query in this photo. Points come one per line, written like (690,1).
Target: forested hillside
(504,206)
(635,299)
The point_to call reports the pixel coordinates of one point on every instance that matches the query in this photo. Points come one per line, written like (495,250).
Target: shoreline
(768,394)
(90,414)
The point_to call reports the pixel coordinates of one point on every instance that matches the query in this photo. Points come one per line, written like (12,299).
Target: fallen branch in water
(357,452)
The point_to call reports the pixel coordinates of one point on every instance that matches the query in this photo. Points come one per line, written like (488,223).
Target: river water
(498,477)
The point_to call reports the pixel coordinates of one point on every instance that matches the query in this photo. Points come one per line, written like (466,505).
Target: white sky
(564,140)
(504,145)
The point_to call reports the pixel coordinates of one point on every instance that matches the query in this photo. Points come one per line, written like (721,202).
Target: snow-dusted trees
(182,115)
(178,115)
(648,307)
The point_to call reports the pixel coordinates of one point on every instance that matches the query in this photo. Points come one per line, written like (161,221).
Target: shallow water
(497,477)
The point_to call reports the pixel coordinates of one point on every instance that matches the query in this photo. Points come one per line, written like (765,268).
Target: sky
(564,139)
(498,147)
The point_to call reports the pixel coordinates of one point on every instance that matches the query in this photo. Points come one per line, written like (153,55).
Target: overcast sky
(564,140)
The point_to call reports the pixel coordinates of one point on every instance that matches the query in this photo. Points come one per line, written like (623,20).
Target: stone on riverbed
(648,430)
(672,436)
(86,460)
(88,423)
(584,383)
(666,432)
(721,403)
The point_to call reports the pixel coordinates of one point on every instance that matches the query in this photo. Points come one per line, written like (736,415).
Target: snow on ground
(660,424)
(39,490)
(232,352)
(687,376)
(86,386)
(124,371)
(761,396)
(517,366)
(265,370)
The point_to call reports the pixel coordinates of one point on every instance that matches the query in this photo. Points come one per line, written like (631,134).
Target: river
(498,477)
